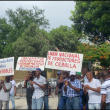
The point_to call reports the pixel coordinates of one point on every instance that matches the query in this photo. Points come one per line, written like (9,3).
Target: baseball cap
(59,72)
(72,73)
(38,69)
(78,73)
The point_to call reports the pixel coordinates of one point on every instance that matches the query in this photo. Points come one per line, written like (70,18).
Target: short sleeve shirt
(38,92)
(105,89)
(4,96)
(71,92)
(29,90)
(13,85)
(94,97)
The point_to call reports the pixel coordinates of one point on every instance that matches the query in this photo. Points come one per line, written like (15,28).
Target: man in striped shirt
(38,85)
(72,87)
(105,91)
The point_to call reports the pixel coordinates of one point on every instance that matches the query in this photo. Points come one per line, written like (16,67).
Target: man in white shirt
(12,92)
(38,85)
(92,87)
(105,91)
(5,87)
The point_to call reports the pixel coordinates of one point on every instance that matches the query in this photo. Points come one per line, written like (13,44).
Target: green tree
(94,52)
(92,17)
(21,18)
(33,42)
(64,38)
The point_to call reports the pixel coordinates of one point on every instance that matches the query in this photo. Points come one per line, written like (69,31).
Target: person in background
(62,104)
(92,87)
(47,92)
(99,77)
(58,88)
(85,98)
(12,92)
(38,85)
(29,90)
(34,74)
(5,87)
(93,74)
(105,91)
(72,87)
(78,76)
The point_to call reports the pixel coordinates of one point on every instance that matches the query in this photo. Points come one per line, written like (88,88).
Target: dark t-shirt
(29,90)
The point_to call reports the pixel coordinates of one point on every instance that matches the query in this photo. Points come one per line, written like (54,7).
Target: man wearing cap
(58,88)
(38,85)
(72,87)
(29,90)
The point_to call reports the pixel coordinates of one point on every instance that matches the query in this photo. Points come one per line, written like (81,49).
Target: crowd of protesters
(75,90)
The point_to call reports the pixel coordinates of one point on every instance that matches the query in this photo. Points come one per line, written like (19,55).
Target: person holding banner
(5,87)
(72,87)
(29,90)
(38,85)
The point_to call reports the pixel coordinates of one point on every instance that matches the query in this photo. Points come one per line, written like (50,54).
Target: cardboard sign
(7,66)
(30,63)
(64,61)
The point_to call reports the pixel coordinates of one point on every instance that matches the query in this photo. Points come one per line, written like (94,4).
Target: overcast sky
(57,12)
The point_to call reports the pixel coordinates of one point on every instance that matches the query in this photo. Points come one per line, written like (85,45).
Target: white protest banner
(64,61)
(30,63)
(7,66)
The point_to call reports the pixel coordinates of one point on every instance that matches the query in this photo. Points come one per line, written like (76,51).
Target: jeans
(46,104)
(29,103)
(62,102)
(3,104)
(37,103)
(73,103)
(81,105)
(94,106)
(12,100)
(108,107)
(59,96)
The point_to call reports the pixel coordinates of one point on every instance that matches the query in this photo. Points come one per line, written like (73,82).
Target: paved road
(20,103)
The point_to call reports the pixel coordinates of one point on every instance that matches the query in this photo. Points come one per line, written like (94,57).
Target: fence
(21,91)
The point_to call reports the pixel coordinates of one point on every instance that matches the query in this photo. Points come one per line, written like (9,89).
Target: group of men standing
(75,90)
(83,91)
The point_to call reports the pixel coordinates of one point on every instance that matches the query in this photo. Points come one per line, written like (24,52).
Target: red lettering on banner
(74,66)
(7,70)
(53,53)
(50,63)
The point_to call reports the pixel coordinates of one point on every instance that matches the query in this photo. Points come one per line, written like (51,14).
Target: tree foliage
(33,42)
(94,52)
(92,17)
(64,38)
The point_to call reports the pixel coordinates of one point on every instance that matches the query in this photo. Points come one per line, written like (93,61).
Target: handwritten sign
(64,61)
(30,63)
(7,66)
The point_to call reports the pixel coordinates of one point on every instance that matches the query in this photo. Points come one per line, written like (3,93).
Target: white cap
(72,73)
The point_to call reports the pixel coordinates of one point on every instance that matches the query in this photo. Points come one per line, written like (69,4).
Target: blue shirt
(71,92)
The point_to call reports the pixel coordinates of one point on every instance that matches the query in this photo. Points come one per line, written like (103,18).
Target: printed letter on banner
(30,63)
(7,66)
(64,61)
